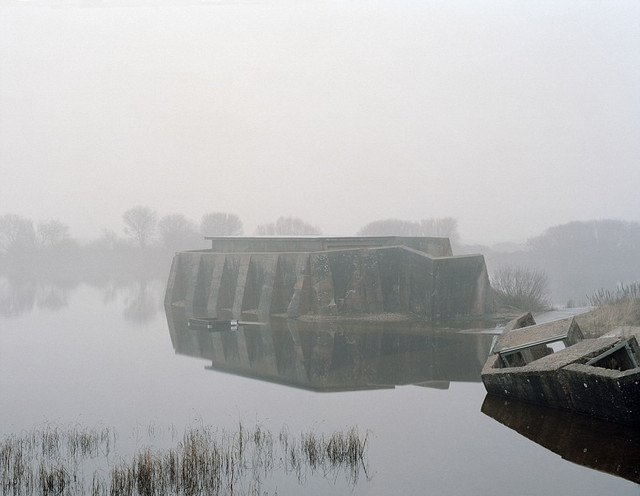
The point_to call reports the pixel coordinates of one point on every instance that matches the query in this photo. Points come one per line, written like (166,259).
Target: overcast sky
(511,116)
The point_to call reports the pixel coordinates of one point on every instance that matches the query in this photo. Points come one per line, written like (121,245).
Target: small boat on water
(552,364)
(212,324)
(215,324)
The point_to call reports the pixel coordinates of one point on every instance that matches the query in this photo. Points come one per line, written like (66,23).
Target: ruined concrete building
(260,277)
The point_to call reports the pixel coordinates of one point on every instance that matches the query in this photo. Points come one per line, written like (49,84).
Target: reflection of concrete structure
(335,356)
(255,278)
(587,441)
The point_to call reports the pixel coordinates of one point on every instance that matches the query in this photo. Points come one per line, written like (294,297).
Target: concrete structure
(524,341)
(598,377)
(257,278)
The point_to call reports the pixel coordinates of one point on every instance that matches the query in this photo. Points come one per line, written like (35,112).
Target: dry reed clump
(205,461)
(53,478)
(341,451)
(49,461)
(623,293)
(612,309)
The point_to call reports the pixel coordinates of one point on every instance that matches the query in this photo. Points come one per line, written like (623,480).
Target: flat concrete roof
(435,246)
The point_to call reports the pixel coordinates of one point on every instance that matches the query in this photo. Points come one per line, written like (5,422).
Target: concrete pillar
(172,283)
(243,272)
(299,301)
(214,289)
(323,300)
(192,282)
(371,283)
(266,292)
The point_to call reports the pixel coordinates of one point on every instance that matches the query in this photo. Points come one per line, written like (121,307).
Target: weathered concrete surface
(566,330)
(255,278)
(563,380)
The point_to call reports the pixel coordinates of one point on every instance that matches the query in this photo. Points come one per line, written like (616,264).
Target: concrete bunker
(296,277)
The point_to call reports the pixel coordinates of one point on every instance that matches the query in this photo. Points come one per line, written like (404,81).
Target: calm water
(110,355)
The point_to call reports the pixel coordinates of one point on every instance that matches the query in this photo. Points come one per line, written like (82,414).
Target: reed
(53,479)
(622,293)
(50,461)
(613,308)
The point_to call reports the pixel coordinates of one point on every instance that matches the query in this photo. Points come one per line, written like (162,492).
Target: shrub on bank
(520,289)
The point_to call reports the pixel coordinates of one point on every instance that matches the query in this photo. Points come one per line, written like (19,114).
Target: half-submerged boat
(551,364)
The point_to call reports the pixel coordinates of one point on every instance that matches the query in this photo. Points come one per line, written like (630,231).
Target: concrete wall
(337,282)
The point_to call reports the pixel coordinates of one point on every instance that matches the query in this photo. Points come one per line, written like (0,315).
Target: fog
(508,116)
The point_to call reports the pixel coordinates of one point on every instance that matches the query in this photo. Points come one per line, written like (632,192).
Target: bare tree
(176,232)
(288,226)
(52,233)
(519,288)
(390,227)
(17,234)
(441,227)
(109,240)
(140,224)
(221,224)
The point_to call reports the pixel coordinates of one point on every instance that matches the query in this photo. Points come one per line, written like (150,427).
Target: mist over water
(509,118)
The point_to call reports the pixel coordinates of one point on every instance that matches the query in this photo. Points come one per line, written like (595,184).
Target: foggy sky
(509,116)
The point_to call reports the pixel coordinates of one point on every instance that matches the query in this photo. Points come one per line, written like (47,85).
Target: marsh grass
(51,461)
(623,293)
(612,308)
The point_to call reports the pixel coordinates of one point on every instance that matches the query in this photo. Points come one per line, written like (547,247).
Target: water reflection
(141,302)
(140,299)
(590,442)
(21,296)
(336,356)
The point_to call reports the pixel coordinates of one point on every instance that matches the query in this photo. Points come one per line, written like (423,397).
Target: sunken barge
(552,365)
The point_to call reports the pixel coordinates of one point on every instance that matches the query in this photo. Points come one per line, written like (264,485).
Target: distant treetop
(288,226)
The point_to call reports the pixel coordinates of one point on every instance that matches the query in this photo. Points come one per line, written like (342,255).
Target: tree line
(574,260)
(577,258)
(143,228)
(566,264)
